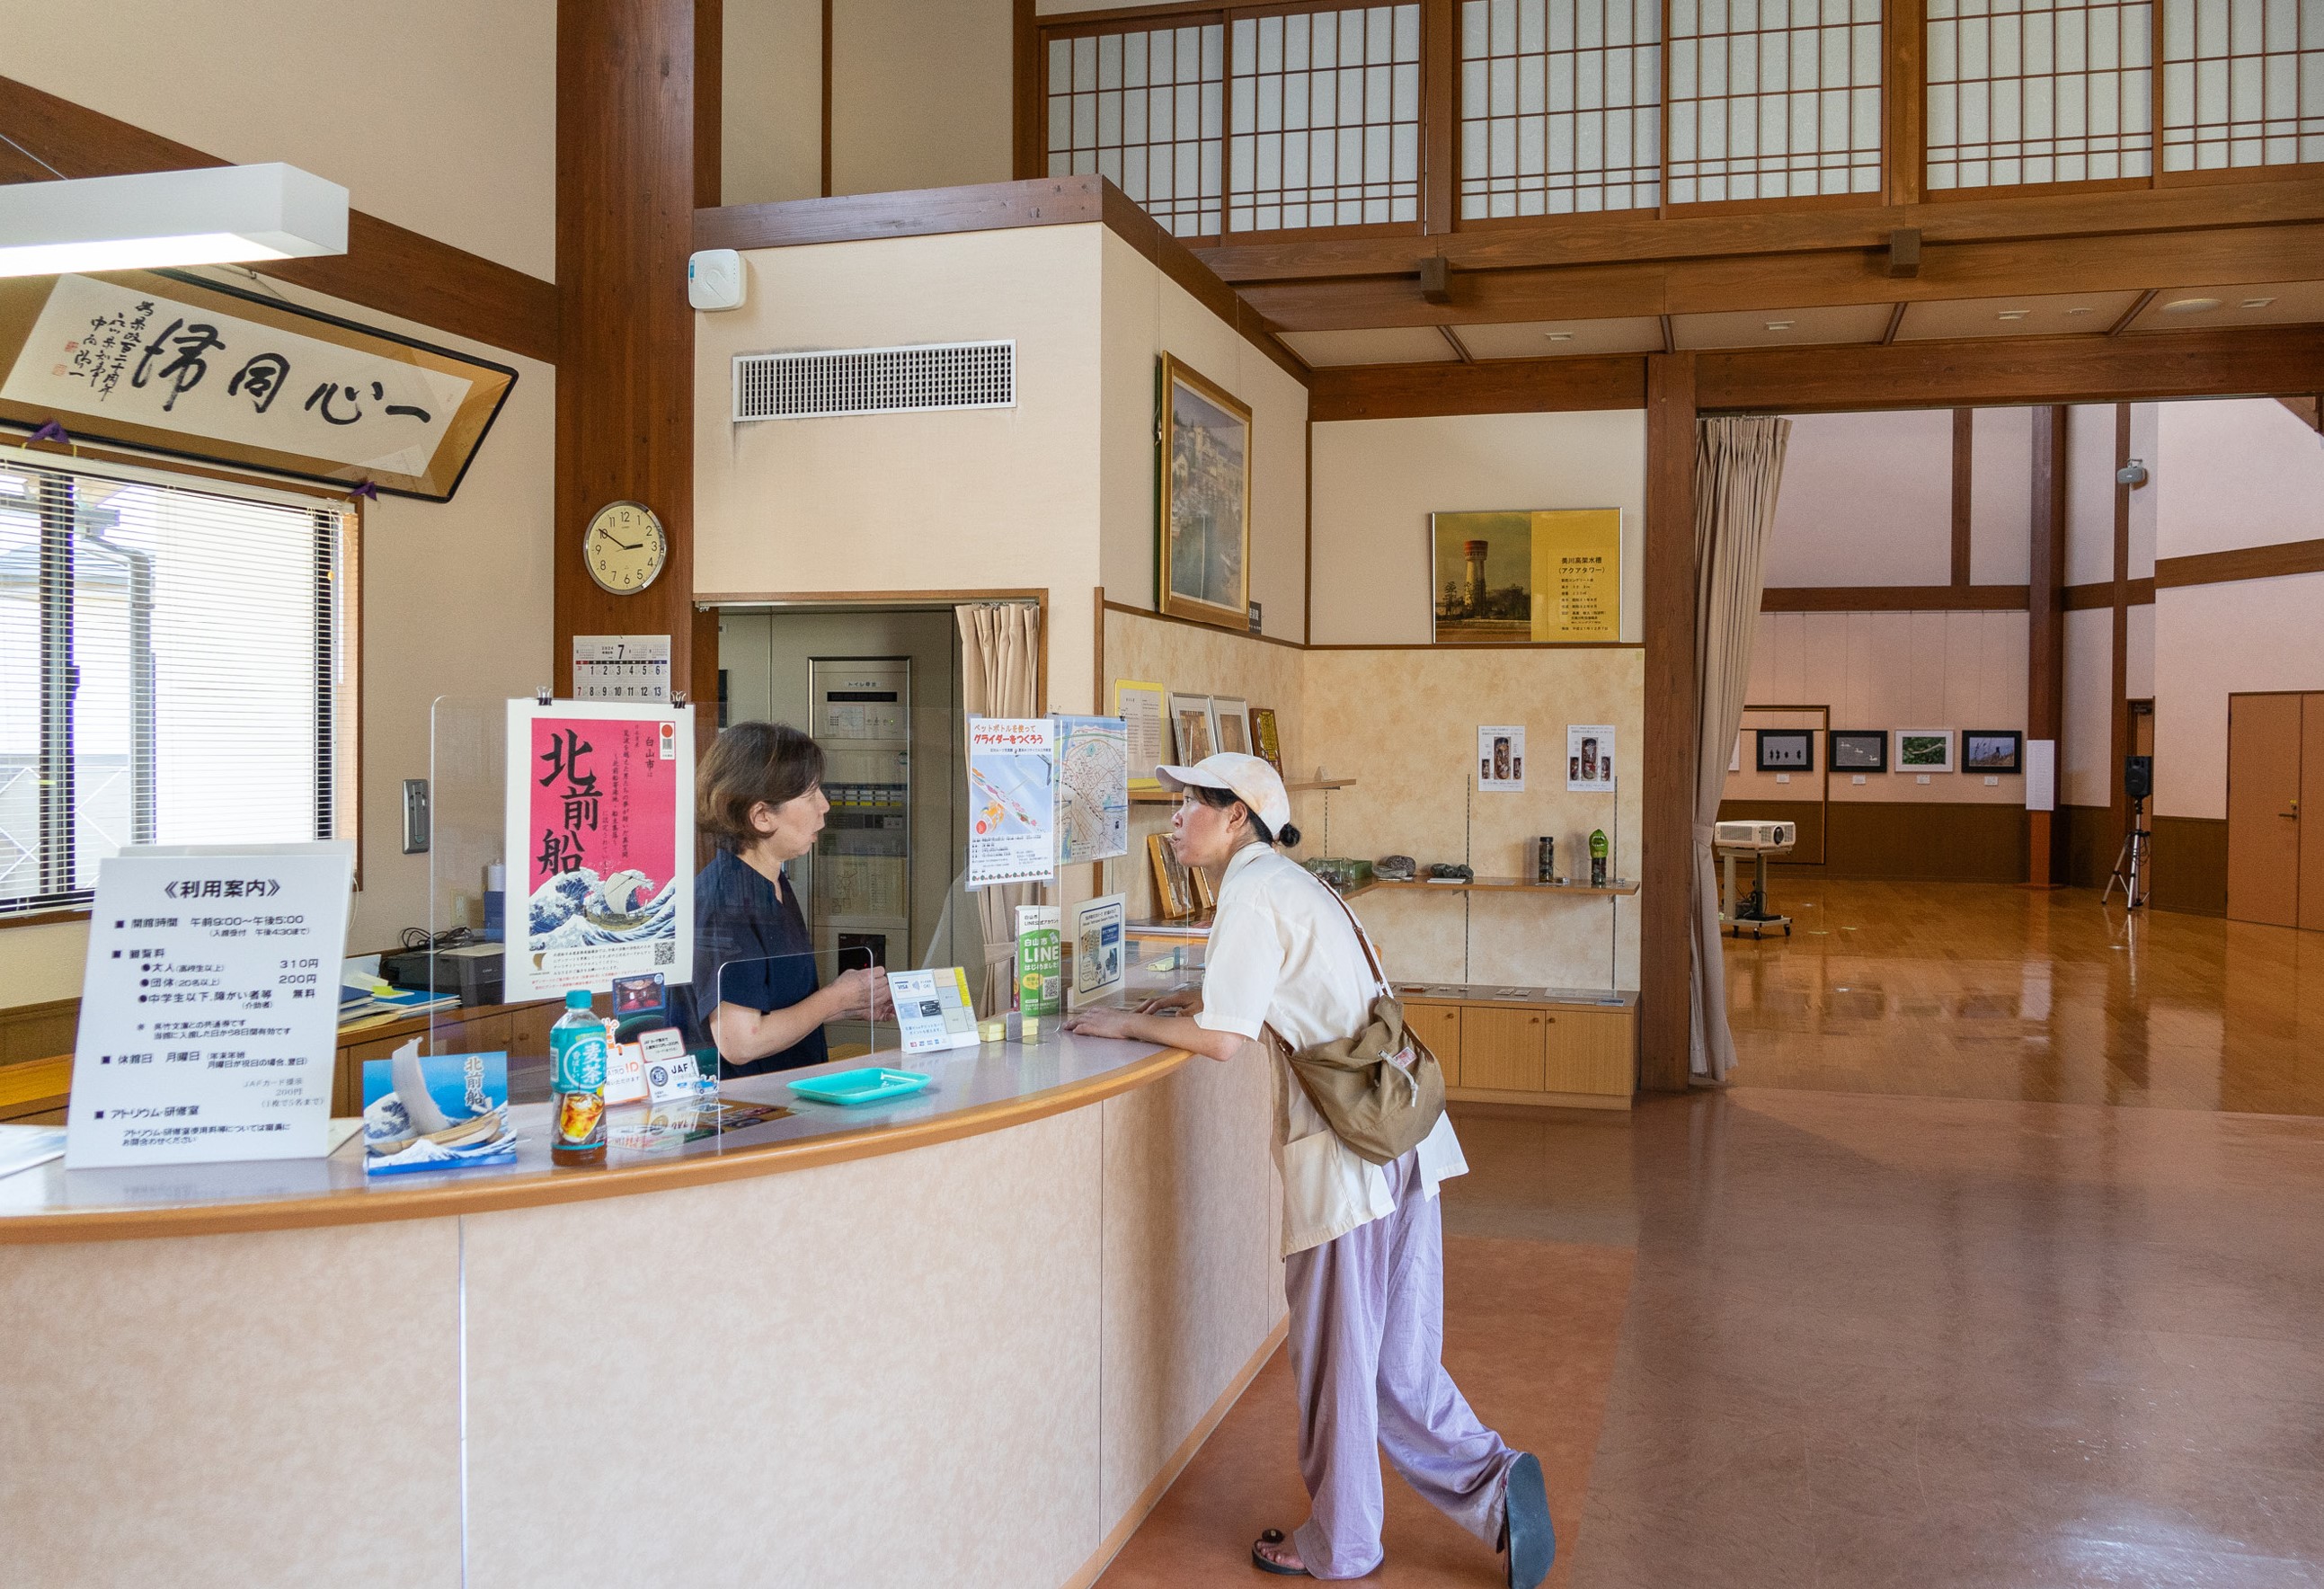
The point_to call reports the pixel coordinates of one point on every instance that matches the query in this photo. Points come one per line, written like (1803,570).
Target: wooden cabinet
(1501,1048)
(1438,1026)
(1590,1051)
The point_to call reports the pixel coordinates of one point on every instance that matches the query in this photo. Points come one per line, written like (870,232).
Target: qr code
(666,952)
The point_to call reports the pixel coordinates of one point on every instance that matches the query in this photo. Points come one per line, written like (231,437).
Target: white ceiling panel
(2273,303)
(1783,327)
(2061,314)
(1390,345)
(1556,338)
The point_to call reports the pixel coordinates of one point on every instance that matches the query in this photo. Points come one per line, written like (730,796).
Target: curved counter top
(974,1090)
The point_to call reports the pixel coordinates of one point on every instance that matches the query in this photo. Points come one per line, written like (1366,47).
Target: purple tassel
(366,492)
(52,431)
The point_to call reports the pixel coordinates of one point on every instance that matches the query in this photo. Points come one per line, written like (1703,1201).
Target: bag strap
(1379,978)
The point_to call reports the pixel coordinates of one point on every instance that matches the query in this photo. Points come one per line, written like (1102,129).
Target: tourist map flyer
(1012,803)
(436,1111)
(600,827)
(1092,788)
(933,1010)
(209,1009)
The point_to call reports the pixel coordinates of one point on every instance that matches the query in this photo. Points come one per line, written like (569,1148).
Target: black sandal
(1274,1537)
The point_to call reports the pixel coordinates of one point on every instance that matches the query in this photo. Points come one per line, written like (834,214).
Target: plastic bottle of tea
(577,1084)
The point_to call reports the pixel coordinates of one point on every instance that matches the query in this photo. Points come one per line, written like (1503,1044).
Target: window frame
(338,701)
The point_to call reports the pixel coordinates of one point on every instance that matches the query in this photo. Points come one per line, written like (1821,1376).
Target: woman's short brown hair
(747,763)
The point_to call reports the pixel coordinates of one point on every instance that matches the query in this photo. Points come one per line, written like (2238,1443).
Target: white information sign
(1500,758)
(933,1011)
(670,1070)
(1589,758)
(1012,835)
(1095,932)
(625,1072)
(2041,774)
(621,667)
(209,1009)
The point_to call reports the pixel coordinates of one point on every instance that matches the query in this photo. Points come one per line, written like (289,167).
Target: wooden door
(1501,1050)
(1439,1026)
(1590,1051)
(2263,763)
(2311,813)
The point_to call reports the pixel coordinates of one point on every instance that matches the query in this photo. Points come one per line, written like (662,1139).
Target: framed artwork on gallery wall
(1925,750)
(1993,750)
(1859,750)
(1202,492)
(1786,749)
(1527,576)
(1194,732)
(1231,726)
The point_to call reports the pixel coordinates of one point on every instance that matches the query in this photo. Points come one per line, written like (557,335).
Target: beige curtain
(1000,663)
(1737,463)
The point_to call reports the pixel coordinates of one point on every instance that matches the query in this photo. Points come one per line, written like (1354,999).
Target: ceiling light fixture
(210,215)
(1779,325)
(2256,302)
(2190,305)
(1559,336)
(2082,308)
(2015,314)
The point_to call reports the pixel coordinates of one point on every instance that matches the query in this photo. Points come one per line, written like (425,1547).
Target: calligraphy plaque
(170,363)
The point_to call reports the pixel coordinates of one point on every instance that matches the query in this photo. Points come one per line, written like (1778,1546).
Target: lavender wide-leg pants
(1367,1346)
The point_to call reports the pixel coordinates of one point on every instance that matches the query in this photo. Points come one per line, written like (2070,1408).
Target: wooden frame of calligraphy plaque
(175,364)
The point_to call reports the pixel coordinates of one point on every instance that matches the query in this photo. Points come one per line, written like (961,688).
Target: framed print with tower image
(1202,492)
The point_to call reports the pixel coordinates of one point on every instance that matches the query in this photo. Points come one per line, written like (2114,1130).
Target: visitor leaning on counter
(1289,968)
(757,998)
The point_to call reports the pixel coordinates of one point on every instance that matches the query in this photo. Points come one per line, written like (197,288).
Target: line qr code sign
(874,381)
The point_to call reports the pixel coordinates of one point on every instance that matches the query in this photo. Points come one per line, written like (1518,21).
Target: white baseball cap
(1248,778)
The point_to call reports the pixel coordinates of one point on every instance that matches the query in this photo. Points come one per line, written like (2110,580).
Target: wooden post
(627,148)
(2045,637)
(1666,947)
(2118,690)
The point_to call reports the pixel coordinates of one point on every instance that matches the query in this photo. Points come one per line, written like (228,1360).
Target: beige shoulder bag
(1381,1091)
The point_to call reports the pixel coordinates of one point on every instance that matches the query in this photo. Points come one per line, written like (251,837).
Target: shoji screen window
(1774,98)
(1561,107)
(1144,109)
(2028,91)
(2243,83)
(1324,119)
(169,672)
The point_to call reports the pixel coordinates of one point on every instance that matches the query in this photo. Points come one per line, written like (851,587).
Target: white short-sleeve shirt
(1284,952)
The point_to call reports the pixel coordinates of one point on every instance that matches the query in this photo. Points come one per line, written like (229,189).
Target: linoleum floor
(1870,1338)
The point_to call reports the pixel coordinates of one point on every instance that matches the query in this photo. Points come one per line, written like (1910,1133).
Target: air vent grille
(874,381)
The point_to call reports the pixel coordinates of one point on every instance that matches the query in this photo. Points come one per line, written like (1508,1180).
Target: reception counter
(966,1338)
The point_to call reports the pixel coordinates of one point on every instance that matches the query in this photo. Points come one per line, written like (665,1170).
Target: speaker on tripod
(2131,864)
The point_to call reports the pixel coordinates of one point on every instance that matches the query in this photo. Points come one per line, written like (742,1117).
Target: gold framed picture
(1202,514)
(1206,899)
(1174,888)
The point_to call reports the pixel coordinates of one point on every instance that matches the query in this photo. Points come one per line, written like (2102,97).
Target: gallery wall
(1378,481)
(438,114)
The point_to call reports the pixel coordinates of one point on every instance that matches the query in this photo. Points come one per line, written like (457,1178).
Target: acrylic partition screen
(768,1013)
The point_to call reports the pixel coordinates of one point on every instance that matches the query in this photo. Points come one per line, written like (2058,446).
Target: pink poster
(600,801)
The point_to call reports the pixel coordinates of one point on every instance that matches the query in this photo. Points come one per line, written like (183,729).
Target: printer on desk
(473,971)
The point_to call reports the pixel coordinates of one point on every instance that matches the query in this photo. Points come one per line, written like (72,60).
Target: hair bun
(1287,836)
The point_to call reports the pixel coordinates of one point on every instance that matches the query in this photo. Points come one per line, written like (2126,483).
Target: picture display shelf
(1163,797)
(1618,889)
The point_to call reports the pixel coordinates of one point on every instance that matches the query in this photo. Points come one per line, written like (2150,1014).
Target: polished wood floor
(1985,991)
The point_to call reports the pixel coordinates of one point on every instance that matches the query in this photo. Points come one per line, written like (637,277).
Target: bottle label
(577,1057)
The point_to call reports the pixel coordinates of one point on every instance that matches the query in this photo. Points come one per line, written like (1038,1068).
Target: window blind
(171,669)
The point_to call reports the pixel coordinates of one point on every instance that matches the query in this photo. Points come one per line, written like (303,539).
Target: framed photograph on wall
(1786,749)
(1993,750)
(1174,887)
(1528,576)
(1192,728)
(1231,726)
(1859,750)
(1266,739)
(1925,750)
(1202,478)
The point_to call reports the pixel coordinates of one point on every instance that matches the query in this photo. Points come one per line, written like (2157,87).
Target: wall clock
(624,547)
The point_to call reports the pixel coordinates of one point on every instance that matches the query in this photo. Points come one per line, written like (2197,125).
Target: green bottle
(1597,858)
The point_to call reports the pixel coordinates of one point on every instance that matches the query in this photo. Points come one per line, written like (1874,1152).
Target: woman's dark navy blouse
(751,948)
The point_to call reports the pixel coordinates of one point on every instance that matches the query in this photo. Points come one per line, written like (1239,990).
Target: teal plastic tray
(872,1085)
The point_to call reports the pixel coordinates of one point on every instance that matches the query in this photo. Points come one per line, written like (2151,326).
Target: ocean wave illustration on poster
(578,908)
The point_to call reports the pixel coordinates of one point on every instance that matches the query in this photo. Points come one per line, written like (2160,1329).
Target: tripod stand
(2130,865)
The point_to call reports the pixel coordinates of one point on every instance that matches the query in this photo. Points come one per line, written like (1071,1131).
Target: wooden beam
(2099,594)
(1964,498)
(1724,283)
(1893,599)
(1489,386)
(2045,637)
(2119,675)
(1905,80)
(387,267)
(1666,935)
(709,101)
(1028,153)
(2245,562)
(625,191)
(1631,236)
(1439,112)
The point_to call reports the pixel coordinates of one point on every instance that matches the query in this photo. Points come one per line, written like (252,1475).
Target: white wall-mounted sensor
(713,279)
(2132,474)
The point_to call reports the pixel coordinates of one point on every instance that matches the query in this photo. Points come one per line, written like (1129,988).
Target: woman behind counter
(760,794)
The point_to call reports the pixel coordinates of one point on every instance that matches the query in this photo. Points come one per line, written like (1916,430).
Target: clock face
(624,546)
